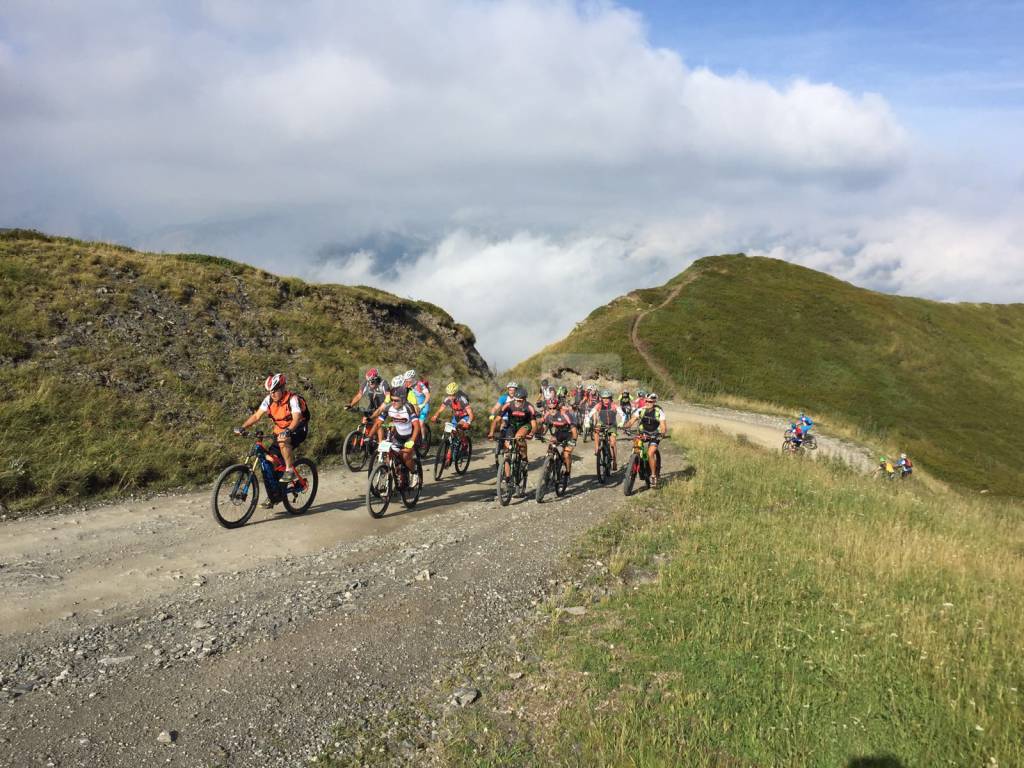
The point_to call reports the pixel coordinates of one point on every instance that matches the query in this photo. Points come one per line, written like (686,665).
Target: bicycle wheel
(378,491)
(561,478)
(352,450)
(811,443)
(603,462)
(440,459)
(545,480)
(423,445)
(235,494)
(521,474)
(464,456)
(299,494)
(630,479)
(506,483)
(411,495)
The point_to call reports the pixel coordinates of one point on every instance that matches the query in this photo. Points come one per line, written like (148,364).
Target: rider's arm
(469,412)
(379,411)
(355,400)
(437,413)
(296,413)
(256,416)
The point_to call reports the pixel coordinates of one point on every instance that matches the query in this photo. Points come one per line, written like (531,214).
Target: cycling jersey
(650,418)
(559,424)
(457,403)
(519,416)
(376,394)
(282,411)
(610,416)
(420,390)
(402,416)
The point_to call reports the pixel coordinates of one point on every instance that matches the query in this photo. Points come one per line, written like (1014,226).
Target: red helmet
(274,381)
(373,373)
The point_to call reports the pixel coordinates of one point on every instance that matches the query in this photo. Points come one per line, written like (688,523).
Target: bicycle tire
(505,482)
(409,494)
(290,496)
(378,491)
(252,497)
(423,444)
(630,479)
(542,486)
(439,459)
(352,451)
(561,478)
(464,457)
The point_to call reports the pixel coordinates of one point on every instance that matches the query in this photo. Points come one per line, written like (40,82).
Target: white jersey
(402,415)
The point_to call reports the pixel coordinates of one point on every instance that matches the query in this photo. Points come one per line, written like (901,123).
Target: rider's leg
(286,451)
(567,459)
(615,458)
(652,459)
(521,433)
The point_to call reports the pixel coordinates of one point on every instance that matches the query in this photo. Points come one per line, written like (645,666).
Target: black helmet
(520,393)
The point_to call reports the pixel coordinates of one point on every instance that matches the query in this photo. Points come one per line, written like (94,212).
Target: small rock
(424,575)
(115,661)
(200,624)
(576,610)
(516,675)
(463,697)
(167,737)
(162,616)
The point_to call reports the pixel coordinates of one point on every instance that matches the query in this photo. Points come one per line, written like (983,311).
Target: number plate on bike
(384,447)
(449,427)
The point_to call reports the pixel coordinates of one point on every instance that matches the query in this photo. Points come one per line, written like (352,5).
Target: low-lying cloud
(549,155)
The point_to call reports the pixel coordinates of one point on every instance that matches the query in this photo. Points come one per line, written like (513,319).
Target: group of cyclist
(799,432)
(397,411)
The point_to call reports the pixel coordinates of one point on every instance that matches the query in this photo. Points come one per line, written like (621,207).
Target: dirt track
(144,617)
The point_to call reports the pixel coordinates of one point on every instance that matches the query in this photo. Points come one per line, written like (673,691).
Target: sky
(521,162)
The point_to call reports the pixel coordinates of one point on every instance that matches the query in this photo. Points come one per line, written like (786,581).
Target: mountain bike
(790,445)
(456,448)
(888,472)
(237,489)
(423,444)
(809,441)
(361,443)
(639,465)
(553,474)
(512,469)
(604,455)
(390,475)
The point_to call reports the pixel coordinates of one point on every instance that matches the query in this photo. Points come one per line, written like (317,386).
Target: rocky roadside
(254,667)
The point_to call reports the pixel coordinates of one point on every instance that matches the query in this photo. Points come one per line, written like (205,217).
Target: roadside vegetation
(944,382)
(772,611)
(127,370)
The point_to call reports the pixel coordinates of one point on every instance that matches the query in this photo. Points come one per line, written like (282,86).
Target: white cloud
(547,134)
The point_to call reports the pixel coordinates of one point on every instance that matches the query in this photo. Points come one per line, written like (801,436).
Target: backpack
(908,463)
(304,407)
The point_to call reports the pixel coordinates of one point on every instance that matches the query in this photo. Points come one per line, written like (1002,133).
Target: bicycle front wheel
(235,494)
(542,484)
(378,491)
(423,444)
(506,483)
(440,459)
(411,495)
(465,454)
(299,494)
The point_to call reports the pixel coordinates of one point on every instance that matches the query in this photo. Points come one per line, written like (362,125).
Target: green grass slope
(944,381)
(126,370)
(774,613)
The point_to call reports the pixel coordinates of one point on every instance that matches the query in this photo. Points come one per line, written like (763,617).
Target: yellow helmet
(452,388)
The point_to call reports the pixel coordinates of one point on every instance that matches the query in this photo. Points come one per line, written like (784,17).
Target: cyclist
(420,389)
(641,400)
(885,467)
(291,420)
(405,424)
(805,423)
(458,403)
(373,388)
(905,466)
(522,419)
(562,393)
(504,397)
(559,423)
(609,415)
(796,432)
(625,402)
(653,427)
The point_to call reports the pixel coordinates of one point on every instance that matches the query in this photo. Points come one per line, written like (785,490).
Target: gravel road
(144,634)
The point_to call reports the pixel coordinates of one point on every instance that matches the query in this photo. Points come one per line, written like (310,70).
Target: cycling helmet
(903,455)
(452,388)
(274,381)
(882,460)
(398,381)
(641,393)
(512,385)
(652,395)
(520,393)
(371,374)
(543,382)
(410,374)
(606,394)
(562,391)
(399,393)
(553,402)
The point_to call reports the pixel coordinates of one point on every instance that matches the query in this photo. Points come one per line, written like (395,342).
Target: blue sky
(416,145)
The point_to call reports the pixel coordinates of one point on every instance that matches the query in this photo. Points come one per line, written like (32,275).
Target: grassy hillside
(773,613)
(943,381)
(126,370)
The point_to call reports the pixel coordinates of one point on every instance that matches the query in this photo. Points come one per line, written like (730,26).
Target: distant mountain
(944,380)
(126,370)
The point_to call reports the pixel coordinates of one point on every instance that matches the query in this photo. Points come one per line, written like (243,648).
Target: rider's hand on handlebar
(240,431)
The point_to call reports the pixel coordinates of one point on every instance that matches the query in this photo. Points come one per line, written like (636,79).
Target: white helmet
(903,455)
(274,381)
(411,374)
(398,381)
